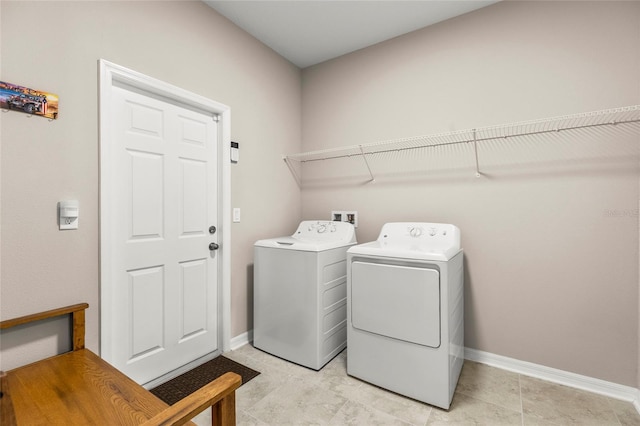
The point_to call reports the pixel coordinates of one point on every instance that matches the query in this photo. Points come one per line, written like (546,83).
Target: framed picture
(28,101)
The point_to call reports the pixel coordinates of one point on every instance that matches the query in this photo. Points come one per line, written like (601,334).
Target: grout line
(429,416)
(610,405)
(489,401)
(346,401)
(521,403)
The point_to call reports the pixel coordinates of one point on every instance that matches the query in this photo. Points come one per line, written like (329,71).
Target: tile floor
(287,394)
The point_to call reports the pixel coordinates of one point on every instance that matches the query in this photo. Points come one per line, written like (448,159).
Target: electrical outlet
(68,212)
(350,216)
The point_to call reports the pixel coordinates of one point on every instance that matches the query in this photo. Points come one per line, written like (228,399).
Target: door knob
(213,246)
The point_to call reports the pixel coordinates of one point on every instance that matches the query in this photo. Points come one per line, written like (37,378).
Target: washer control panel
(323,230)
(322,227)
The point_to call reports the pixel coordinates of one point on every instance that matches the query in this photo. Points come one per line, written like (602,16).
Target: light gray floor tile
(259,387)
(297,403)
(564,405)
(353,413)
(401,407)
(466,410)
(625,412)
(490,384)
(535,421)
(343,385)
(245,419)
(288,394)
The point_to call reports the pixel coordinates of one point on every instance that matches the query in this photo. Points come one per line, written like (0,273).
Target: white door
(164,290)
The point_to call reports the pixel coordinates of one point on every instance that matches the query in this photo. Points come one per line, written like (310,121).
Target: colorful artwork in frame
(29,101)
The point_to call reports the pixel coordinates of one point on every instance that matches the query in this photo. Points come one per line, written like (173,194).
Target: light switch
(235,154)
(236,214)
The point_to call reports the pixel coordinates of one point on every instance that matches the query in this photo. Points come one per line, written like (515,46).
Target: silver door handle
(213,246)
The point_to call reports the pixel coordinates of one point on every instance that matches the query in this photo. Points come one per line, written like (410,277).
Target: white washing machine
(300,293)
(405,328)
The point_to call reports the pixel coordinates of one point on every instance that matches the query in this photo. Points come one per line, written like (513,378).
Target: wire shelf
(553,125)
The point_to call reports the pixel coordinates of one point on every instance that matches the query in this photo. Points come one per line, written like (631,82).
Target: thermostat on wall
(235,152)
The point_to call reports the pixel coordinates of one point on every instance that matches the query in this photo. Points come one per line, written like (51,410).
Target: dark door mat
(179,387)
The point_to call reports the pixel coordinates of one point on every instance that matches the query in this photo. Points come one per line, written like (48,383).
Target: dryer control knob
(433,231)
(415,232)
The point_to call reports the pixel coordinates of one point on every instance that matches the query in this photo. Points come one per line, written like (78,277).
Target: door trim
(110,74)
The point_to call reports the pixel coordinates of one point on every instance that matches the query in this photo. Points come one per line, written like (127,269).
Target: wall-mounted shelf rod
(616,116)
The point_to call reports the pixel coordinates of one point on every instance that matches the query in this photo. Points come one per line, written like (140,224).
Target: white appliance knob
(432,231)
(415,232)
(322,228)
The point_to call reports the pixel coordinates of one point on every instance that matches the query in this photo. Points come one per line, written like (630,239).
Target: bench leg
(7,415)
(224,412)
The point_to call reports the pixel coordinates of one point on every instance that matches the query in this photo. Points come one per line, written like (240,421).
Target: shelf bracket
(292,170)
(475,151)
(364,157)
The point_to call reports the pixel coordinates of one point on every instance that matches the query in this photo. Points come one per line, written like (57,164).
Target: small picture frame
(29,101)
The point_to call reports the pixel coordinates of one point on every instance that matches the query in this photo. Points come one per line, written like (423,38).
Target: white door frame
(110,74)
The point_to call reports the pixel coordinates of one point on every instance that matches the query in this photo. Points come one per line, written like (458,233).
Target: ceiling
(308,32)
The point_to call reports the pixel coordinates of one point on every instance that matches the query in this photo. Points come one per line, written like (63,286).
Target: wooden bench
(80,388)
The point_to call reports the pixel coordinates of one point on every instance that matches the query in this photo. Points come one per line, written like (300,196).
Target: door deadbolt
(212,229)
(213,246)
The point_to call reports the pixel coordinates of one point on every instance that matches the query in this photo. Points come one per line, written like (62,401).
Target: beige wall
(552,275)
(550,231)
(55,46)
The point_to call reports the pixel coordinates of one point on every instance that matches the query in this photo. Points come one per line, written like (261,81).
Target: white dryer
(405,326)
(300,293)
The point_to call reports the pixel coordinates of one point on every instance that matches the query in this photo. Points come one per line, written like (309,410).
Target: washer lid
(315,235)
(414,240)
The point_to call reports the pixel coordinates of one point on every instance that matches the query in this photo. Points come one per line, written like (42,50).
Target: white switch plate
(236,214)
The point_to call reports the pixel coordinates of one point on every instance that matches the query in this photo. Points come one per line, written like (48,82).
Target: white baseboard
(241,340)
(590,384)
